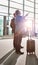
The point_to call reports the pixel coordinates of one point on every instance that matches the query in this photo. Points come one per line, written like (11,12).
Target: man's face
(18,12)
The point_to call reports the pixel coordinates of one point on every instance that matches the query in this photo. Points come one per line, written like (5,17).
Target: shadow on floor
(37,61)
(31,60)
(12,60)
(4,57)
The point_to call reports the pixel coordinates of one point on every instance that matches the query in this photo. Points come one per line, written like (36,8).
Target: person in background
(12,24)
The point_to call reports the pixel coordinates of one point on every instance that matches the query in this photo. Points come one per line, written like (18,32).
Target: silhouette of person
(12,24)
(17,24)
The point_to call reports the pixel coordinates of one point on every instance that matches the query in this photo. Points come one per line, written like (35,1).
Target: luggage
(30,46)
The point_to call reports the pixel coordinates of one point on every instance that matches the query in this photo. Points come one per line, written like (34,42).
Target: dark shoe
(17,52)
(21,52)
(21,47)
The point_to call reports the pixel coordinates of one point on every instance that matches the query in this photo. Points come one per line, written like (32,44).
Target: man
(17,31)
(17,35)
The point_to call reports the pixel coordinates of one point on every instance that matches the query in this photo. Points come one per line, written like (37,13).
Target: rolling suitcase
(30,46)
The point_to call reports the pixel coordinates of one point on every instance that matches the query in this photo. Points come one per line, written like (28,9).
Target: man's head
(17,12)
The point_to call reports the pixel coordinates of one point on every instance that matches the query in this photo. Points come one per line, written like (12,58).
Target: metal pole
(8,16)
(23,7)
(8,9)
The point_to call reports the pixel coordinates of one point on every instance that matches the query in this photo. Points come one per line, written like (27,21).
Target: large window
(1,25)
(8,7)
(31,6)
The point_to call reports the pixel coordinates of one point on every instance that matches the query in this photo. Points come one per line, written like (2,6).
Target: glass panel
(21,1)
(3,14)
(36,1)
(36,10)
(36,28)
(1,26)
(1,31)
(30,15)
(4,2)
(29,9)
(29,3)
(36,21)
(15,5)
(3,9)
(36,16)
(30,0)
(36,5)
(10,29)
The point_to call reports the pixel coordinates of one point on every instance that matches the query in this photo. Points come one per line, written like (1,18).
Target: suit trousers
(17,41)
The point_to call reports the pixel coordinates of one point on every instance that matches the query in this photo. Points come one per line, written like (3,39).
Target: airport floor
(21,59)
(18,59)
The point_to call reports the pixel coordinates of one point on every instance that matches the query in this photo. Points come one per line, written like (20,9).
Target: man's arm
(12,23)
(26,15)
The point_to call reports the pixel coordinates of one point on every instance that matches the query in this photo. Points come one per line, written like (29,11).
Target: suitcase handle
(29,36)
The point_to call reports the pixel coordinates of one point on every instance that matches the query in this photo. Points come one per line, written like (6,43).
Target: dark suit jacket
(12,24)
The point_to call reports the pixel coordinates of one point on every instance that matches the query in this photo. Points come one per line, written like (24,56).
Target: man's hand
(26,14)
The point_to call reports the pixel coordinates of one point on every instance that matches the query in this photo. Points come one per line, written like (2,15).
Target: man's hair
(17,12)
